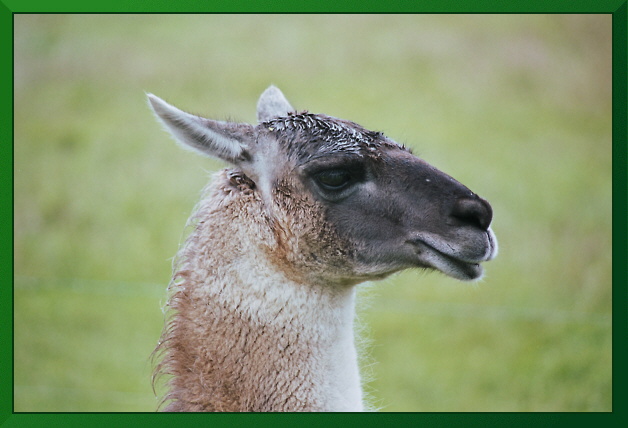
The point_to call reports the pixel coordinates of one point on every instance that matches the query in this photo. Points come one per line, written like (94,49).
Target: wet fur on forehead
(307,136)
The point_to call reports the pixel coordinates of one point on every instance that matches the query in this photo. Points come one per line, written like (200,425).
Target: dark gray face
(396,210)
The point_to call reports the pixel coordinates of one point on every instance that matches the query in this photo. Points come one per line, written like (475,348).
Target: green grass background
(517,107)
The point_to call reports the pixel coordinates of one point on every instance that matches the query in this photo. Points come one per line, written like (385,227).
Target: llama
(262,298)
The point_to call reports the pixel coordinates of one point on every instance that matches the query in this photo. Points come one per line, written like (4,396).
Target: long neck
(245,337)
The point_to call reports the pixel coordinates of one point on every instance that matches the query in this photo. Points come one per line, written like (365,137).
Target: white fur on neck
(324,316)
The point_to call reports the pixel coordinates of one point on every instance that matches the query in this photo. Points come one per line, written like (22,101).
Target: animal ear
(228,141)
(272,103)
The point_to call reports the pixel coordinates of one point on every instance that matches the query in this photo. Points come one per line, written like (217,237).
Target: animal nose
(473,211)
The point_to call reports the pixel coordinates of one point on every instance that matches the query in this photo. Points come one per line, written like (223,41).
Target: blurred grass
(517,107)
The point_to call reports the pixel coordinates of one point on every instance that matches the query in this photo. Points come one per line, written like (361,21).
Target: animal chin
(449,265)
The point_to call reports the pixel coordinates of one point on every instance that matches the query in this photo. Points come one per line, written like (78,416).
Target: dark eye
(334,179)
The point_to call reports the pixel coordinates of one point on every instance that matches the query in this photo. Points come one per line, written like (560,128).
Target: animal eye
(334,179)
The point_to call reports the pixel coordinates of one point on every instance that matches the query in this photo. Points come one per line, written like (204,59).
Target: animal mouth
(449,264)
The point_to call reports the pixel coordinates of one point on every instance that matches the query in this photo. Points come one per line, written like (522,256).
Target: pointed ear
(228,141)
(272,103)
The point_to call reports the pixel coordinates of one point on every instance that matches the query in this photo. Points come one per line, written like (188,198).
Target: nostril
(476,212)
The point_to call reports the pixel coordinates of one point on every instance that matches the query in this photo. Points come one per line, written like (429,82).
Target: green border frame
(321,6)
(618,8)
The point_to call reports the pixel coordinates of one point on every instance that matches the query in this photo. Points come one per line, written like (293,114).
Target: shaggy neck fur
(243,335)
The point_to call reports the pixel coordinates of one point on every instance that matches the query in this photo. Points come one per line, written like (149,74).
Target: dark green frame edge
(620,215)
(321,6)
